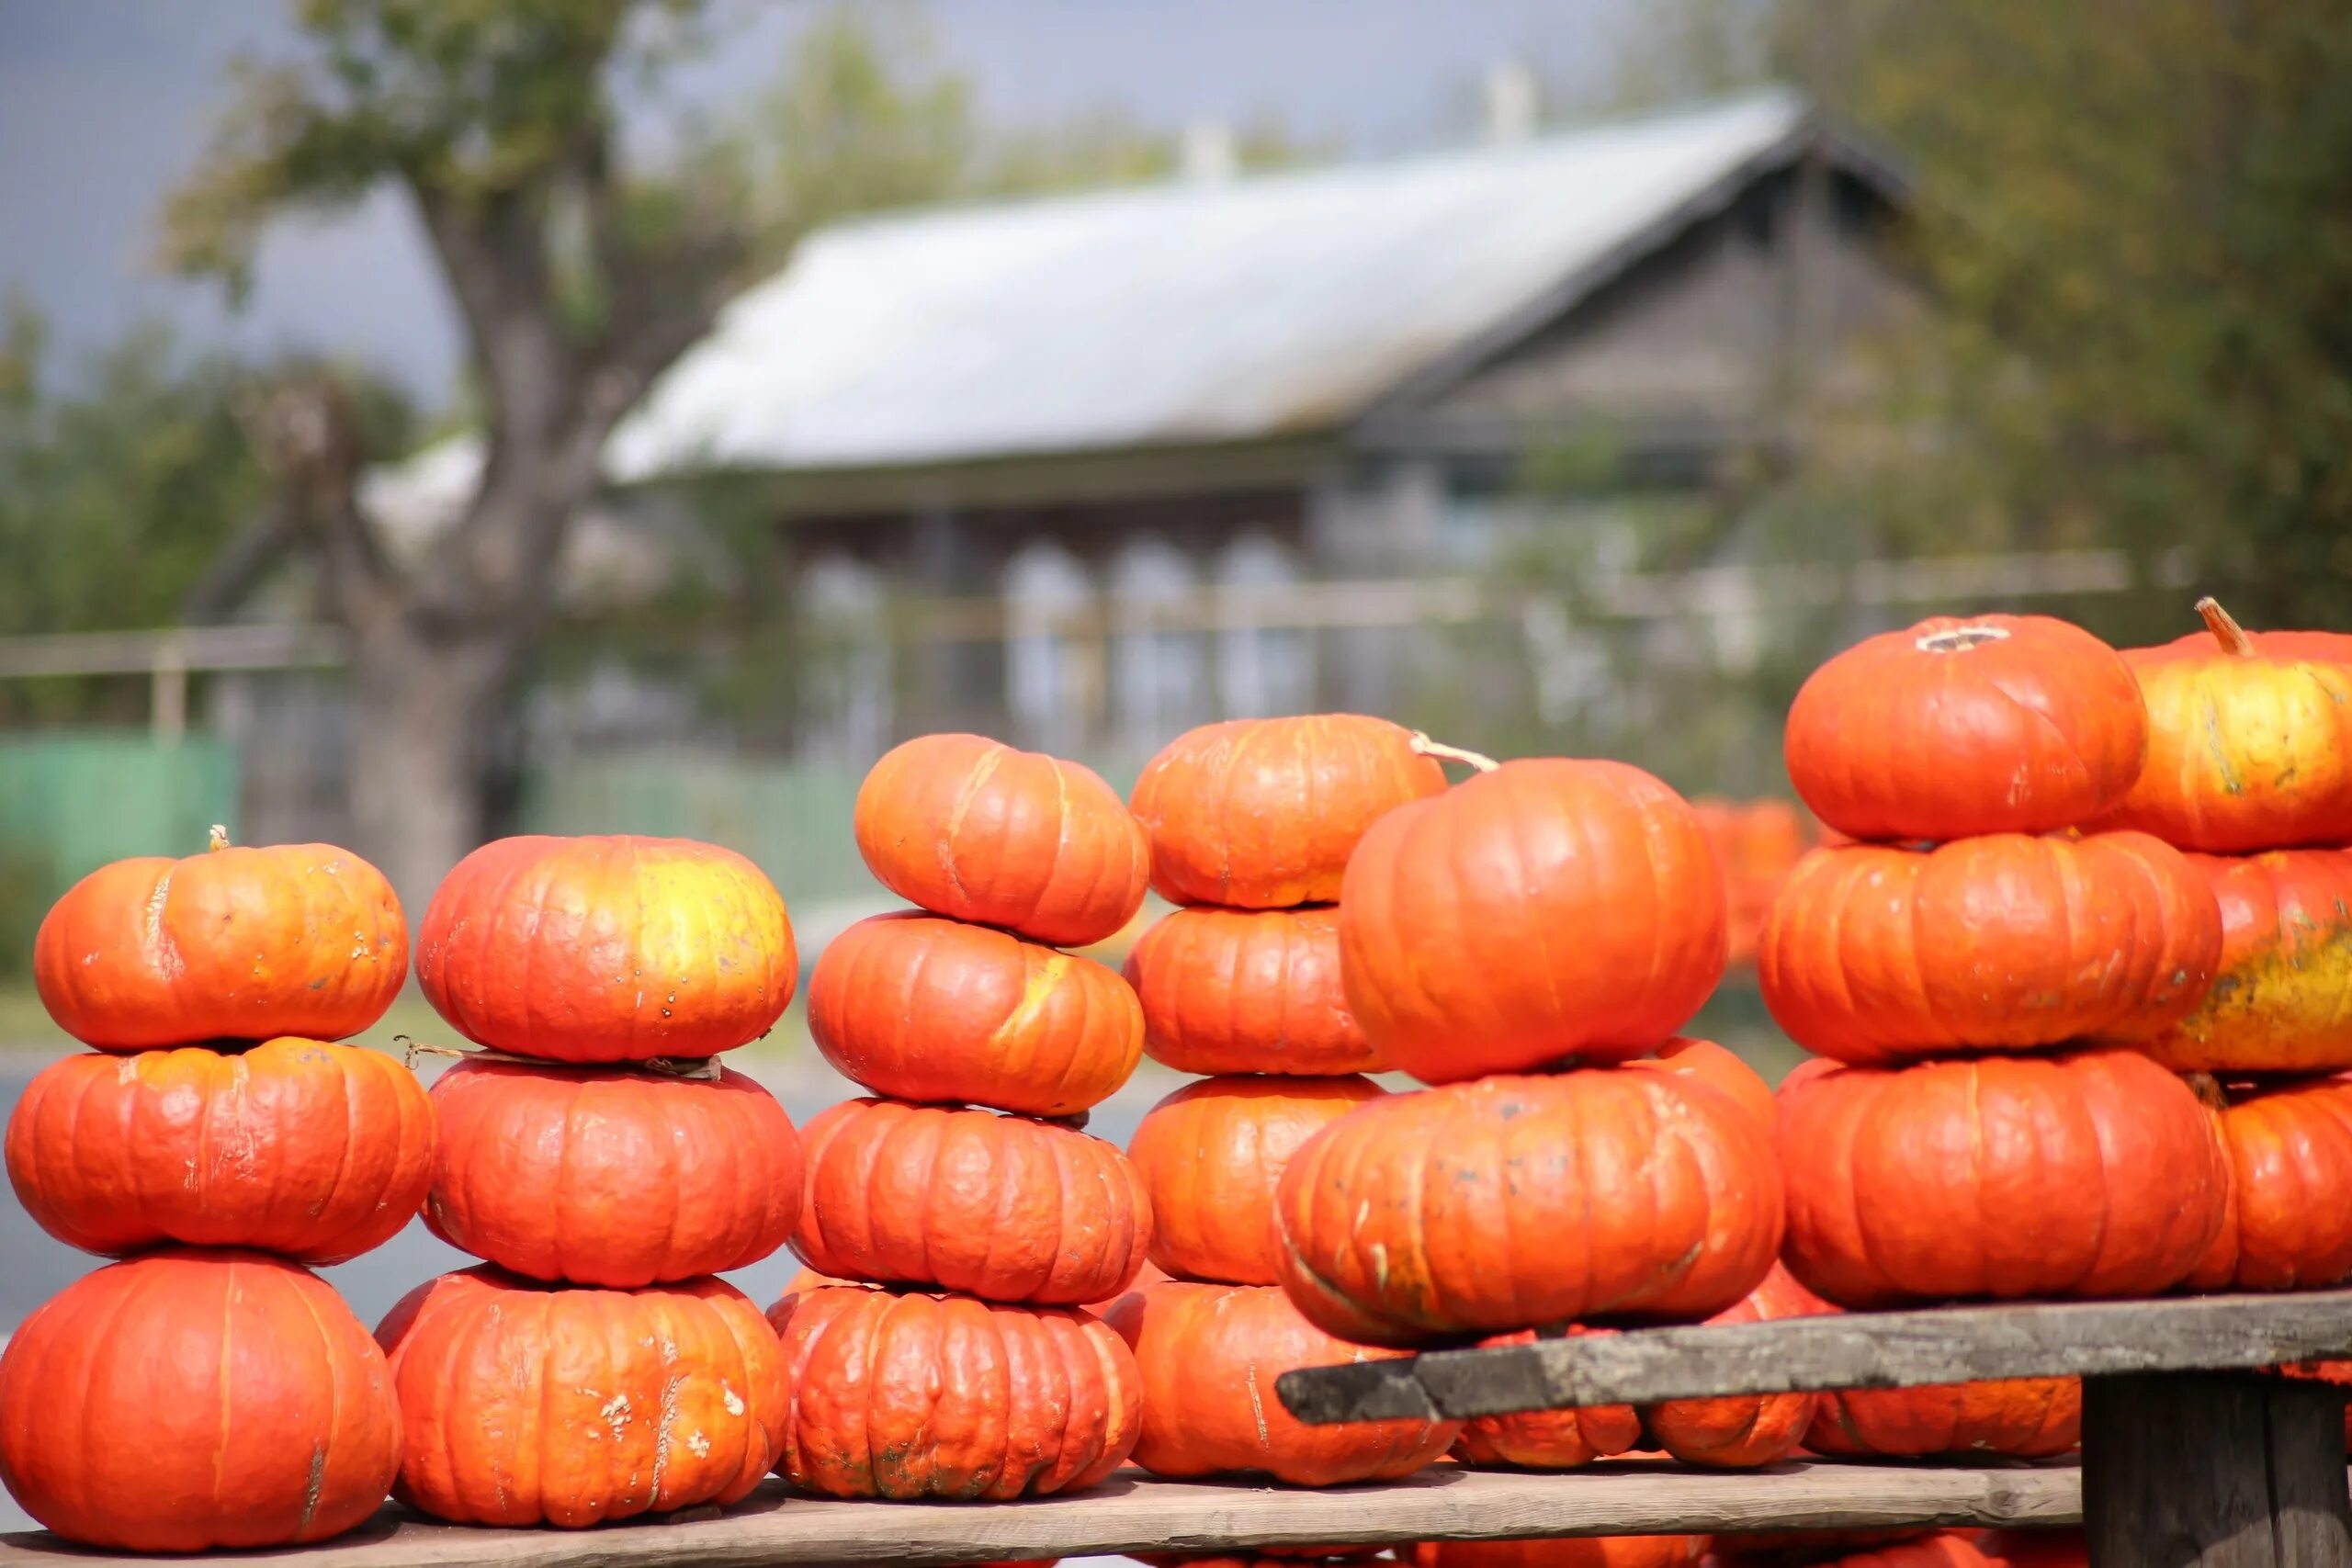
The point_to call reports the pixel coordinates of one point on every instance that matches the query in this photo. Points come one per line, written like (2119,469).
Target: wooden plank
(1893,1350)
(1133,1513)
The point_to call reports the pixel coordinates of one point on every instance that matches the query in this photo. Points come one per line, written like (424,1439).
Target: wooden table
(2187,1457)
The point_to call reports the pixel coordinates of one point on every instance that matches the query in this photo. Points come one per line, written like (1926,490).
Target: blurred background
(426,420)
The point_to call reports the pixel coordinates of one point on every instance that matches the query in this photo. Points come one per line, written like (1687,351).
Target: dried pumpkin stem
(703,1069)
(218,840)
(2209,1091)
(1428,747)
(2224,628)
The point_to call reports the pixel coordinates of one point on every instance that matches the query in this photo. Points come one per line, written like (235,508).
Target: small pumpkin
(1867,1549)
(303,939)
(1996,724)
(1876,954)
(1567,1552)
(2282,1001)
(1706,1060)
(1741,1431)
(1211,1156)
(1000,1207)
(603,1177)
(2290,1157)
(2037,1548)
(607,949)
(970,828)
(2018,1417)
(313,1151)
(1756,843)
(919,1007)
(1565,1439)
(1600,1195)
(1545,910)
(527,1404)
(2248,747)
(1804,1549)
(908,1395)
(1248,991)
(2094,1175)
(1262,813)
(1209,1356)
(186,1401)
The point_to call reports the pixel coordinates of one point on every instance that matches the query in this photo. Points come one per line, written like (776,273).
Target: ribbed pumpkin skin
(1248,991)
(301,940)
(1571,1551)
(919,1007)
(905,1396)
(316,1152)
(1706,1060)
(970,828)
(527,1404)
(1875,954)
(2082,1176)
(1997,723)
(607,949)
(1211,1156)
(1209,1356)
(2282,999)
(1262,813)
(1545,910)
(1567,1439)
(2038,1548)
(611,1178)
(1000,1207)
(2021,1418)
(183,1401)
(1598,1195)
(2289,1227)
(1743,1431)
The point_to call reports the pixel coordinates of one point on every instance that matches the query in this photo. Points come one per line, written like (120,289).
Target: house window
(845,675)
(1263,666)
(1158,665)
(1052,665)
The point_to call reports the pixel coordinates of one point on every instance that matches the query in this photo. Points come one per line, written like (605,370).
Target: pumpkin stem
(218,840)
(1428,747)
(1959,639)
(2225,628)
(2208,1090)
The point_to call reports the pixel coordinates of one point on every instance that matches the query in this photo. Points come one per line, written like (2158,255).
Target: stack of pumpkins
(1251,823)
(606,1167)
(210,1391)
(964,1183)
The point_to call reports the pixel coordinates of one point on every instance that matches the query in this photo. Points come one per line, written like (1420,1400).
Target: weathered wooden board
(1892,1350)
(1134,1514)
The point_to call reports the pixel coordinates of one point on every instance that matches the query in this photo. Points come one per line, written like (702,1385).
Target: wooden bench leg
(2214,1470)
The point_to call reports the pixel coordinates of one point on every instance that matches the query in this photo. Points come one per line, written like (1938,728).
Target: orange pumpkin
(527,1404)
(1548,909)
(301,940)
(1209,1356)
(314,1151)
(2247,749)
(1867,1549)
(1262,813)
(1741,1431)
(2036,1548)
(2290,1156)
(974,831)
(1803,1548)
(2085,1176)
(1565,1439)
(2019,1417)
(1210,1155)
(611,949)
(905,1396)
(1569,1552)
(611,1178)
(919,1007)
(1875,954)
(2282,997)
(1997,724)
(1000,1207)
(186,1401)
(1248,991)
(1596,1195)
(1706,1060)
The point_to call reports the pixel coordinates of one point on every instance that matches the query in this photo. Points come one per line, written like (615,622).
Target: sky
(105,103)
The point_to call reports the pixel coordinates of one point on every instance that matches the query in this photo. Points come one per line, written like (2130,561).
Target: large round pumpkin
(1262,813)
(1248,991)
(2085,1176)
(607,949)
(1512,1202)
(2247,749)
(1724,1070)
(907,1395)
(1001,1207)
(919,1008)
(527,1404)
(2020,1417)
(974,831)
(1209,1356)
(1739,1431)
(313,1151)
(1545,910)
(1211,1156)
(604,1177)
(1565,1551)
(186,1401)
(232,944)
(2282,1001)
(1998,724)
(2006,943)
(1565,1439)
(2290,1227)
